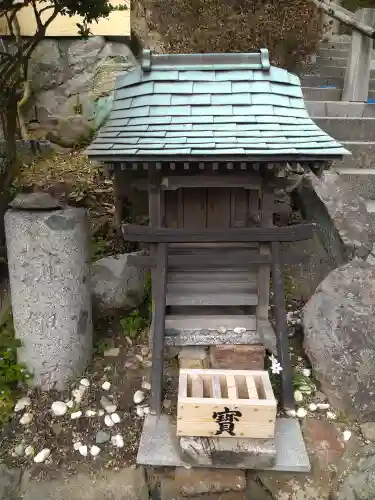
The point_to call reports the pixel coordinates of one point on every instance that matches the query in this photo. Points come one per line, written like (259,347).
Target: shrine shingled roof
(210,106)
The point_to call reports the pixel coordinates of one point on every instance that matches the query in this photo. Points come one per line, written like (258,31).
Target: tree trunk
(344,16)
(8,160)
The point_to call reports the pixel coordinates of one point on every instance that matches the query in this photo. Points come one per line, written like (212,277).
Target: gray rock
(127,484)
(32,201)
(102,437)
(342,219)
(70,132)
(368,430)
(116,285)
(359,483)
(339,325)
(343,231)
(67,72)
(48,260)
(9,482)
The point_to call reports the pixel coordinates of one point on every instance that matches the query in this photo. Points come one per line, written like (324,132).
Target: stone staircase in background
(351,123)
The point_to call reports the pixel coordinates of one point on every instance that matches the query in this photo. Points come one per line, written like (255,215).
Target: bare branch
(37,15)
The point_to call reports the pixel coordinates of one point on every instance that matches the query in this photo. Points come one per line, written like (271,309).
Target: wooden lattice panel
(226,403)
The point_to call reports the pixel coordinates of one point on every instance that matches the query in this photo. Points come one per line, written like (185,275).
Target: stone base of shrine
(160,447)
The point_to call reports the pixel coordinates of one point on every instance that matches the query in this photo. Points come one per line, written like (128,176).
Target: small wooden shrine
(214,138)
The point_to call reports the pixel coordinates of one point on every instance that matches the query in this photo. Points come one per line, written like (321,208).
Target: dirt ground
(125,372)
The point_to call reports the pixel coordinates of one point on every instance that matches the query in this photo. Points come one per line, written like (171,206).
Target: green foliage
(140,318)
(11,372)
(101,346)
(98,249)
(303,384)
(133,324)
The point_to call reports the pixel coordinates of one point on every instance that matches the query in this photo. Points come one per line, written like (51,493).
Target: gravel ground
(126,371)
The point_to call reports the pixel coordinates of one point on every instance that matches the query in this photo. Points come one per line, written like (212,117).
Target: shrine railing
(160,261)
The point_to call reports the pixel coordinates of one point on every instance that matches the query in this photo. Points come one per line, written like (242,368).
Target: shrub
(290,29)
(11,372)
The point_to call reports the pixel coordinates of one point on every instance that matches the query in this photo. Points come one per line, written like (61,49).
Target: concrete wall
(117,24)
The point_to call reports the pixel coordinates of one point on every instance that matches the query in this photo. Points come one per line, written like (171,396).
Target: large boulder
(339,329)
(65,73)
(359,481)
(69,132)
(116,285)
(343,231)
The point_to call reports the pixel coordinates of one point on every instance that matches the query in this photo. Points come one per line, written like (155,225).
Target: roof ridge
(219,61)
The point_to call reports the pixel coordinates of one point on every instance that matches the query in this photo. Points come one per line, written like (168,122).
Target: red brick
(237,357)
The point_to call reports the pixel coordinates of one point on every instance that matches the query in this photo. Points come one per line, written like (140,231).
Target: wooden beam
(199,261)
(344,16)
(282,340)
(147,234)
(159,288)
(173,182)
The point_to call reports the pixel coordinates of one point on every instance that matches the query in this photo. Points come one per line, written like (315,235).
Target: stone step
(334,72)
(340,109)
(348,129)
(324,62)
(333,53)
(335,45)
(322,81)
(321,94)
(159,447)
(363,155)
(362,180)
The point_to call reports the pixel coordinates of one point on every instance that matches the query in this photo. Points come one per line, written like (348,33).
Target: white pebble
(301,412)
(298,396)
(90,413)
(22,403)
(306,372)
(85,382)
(75,415)
(323,406)
(140,411)
(117,441)
(347,435)
(29,451)
(167,403)
(106,386)
(94,451)
(146,385)
(59,408)
(138,397)
(108,421)
(26,419)
(146,410)
(239,329)
(222,329)
(70,404)
(291,413)
(78,394)
(100,413)
(42,456)
(313,407)
(115,418)
(77,445)
(83,450)
(330,415)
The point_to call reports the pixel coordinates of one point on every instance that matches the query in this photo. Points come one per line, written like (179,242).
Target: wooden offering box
(226,403)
